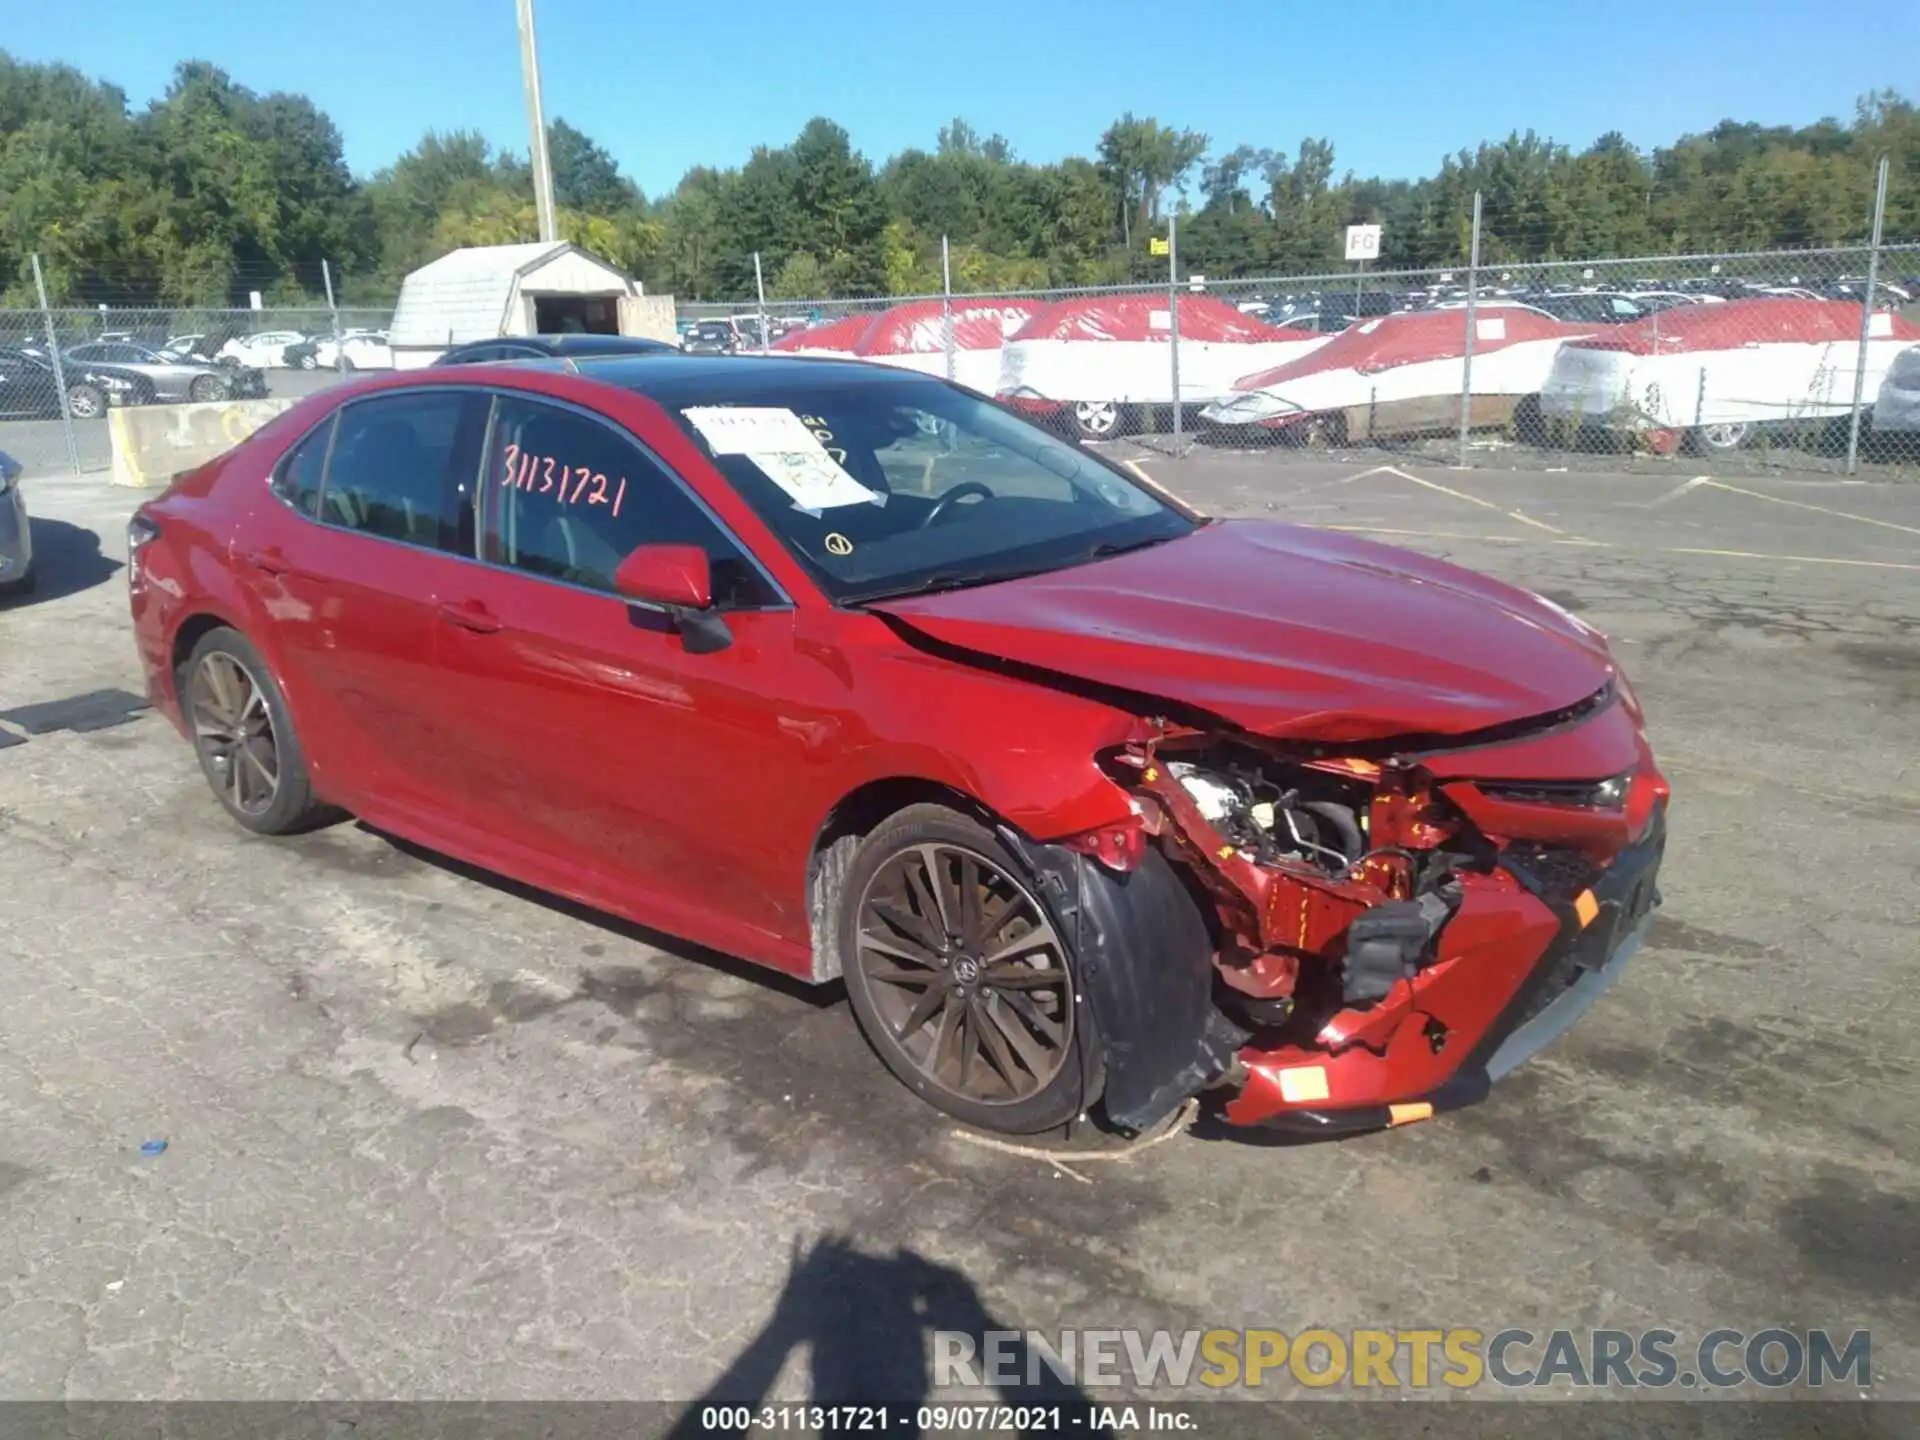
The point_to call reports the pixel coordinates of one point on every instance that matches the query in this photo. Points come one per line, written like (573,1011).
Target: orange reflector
(1407,1114)
(1303,1083)
(1586,907)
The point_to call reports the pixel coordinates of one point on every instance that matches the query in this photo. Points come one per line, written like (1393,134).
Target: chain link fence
(1805,359)
(63,369)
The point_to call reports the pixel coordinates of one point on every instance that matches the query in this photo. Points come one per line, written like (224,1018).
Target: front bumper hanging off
(1598,932)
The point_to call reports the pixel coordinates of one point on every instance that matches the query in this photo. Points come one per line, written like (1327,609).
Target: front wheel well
(850,821)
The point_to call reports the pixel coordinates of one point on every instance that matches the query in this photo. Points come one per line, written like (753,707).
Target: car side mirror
(679,579)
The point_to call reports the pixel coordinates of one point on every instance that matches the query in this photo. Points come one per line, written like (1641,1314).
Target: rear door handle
(271,559)
(470,615)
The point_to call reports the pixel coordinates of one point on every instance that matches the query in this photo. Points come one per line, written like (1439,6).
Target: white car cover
(1742,363)
(1116,348)
(1404,370)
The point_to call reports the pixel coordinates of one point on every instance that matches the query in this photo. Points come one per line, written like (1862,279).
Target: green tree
(586,177)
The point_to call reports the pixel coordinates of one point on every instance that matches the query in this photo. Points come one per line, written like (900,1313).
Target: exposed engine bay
(1331,877)
(1381,924)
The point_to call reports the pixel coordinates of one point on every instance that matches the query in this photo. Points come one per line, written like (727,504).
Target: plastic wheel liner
(1145,965)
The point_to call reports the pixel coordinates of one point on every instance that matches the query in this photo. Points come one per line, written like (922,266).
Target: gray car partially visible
(173,378)
(16,534)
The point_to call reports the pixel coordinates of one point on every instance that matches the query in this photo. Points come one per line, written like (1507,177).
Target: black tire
(1027,1035)
(346,365)
(206,389)
(309,362)
(86,402)
(1530,424)
(292,806)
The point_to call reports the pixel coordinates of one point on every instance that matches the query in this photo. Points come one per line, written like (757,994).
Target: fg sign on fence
(1363,242)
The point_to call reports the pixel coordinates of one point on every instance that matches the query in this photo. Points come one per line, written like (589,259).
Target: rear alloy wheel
(206,389)
(86,402)
(958,976)
(244,737)
(1718,439)
(309,362)
(1096,419)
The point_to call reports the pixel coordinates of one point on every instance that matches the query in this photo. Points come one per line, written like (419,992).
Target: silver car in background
(171,377)
(16,535)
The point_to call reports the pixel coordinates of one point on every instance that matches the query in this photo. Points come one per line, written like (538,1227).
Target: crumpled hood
(1288,631)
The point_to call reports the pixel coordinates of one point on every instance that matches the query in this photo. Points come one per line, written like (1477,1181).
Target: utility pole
(537,123)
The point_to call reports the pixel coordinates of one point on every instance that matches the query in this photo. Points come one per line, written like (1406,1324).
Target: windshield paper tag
(787,452)
(750,429)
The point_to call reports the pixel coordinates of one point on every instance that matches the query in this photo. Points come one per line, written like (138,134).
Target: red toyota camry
(1088,799)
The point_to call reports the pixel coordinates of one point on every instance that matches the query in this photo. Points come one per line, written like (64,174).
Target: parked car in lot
(712,337)
(1402,375)
(1896,409)
(1591,307)
(1655,300)
(172,379)
(1098,366)
(1716,378)
(552,347)
(354,350)
(28,386)
(16,532)
(1086,797)
(264,350)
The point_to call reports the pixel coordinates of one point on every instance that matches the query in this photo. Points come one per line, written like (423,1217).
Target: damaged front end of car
(1382,929)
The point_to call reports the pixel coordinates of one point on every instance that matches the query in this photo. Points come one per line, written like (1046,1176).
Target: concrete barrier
(153,443)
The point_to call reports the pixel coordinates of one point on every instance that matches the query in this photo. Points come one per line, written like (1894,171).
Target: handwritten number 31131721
(568,484)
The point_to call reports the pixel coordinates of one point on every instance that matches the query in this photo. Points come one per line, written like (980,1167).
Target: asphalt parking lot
(429,1135)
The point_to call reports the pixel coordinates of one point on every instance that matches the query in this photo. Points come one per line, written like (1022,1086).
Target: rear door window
(395,468)
(298,479)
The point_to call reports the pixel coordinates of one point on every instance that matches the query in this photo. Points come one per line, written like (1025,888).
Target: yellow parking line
(1159,489)
(1686,487)
(1472,500)
(1817,509)
(1796,559)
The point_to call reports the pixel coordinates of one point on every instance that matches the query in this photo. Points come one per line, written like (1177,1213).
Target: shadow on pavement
(867,1324)
(66,560)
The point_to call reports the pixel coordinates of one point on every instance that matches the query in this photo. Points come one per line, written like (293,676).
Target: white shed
(486,291)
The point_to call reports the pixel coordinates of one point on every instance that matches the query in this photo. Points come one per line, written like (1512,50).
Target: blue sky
(667,85)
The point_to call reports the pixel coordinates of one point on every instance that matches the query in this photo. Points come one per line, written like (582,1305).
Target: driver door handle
(471,615)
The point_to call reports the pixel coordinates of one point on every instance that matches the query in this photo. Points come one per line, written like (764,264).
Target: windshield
(896,487)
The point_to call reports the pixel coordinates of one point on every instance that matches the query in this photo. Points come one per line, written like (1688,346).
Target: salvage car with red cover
(1093,802)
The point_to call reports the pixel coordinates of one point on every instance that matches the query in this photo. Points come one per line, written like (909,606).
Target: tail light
(141,530)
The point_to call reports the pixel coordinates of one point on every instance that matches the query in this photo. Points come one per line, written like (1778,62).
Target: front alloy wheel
(959,976)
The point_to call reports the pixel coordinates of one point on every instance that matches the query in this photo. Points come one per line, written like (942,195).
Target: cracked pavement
(431,1135)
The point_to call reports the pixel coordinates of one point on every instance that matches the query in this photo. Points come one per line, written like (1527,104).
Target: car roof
(678,378)
(583,345)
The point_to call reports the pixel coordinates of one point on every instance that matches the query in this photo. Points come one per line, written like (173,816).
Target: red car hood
(1285,630)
